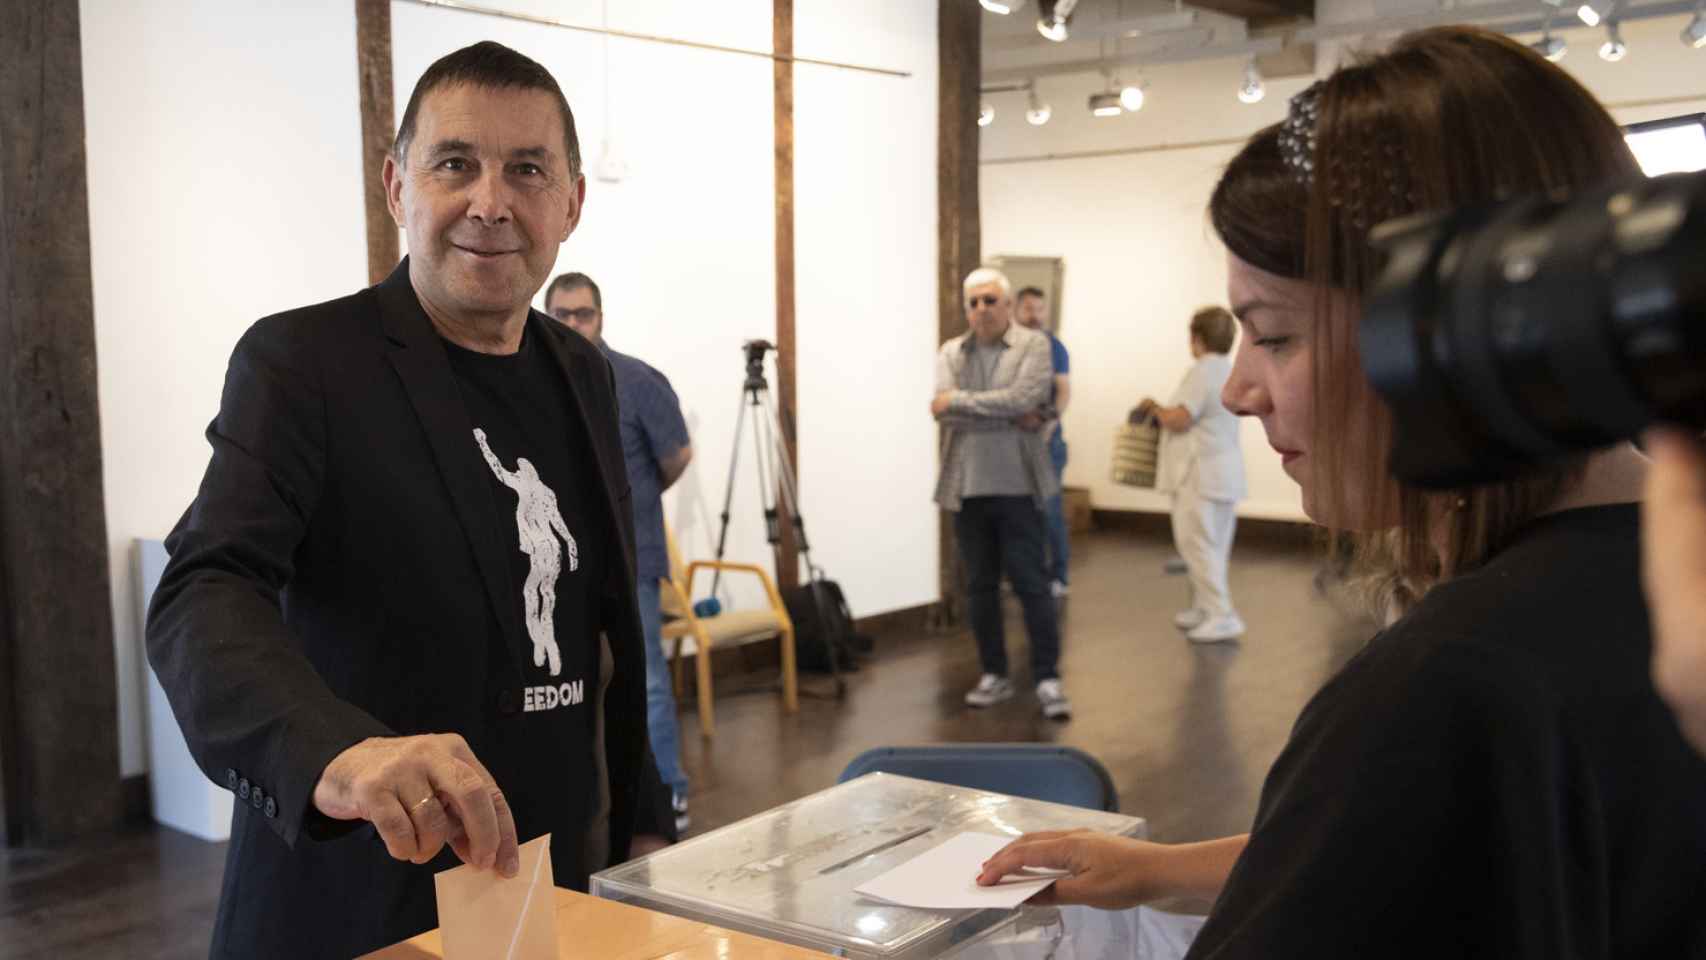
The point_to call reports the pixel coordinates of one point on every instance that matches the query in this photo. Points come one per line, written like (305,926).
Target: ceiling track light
(1593,12)
(1054,18)
(1130,94)
(1550,47)
(1613,49)
(1003,7)
(1038,112)
(1131,97)
(1694,35)
(1105,104)
(985,114)
(1251,89)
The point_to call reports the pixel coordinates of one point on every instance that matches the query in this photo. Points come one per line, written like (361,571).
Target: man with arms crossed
(995,478)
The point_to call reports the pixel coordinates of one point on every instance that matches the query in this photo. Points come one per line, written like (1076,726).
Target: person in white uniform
(1202,467)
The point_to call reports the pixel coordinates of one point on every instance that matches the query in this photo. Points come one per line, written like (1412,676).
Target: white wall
(225,183)
(865,241)
(1132,229)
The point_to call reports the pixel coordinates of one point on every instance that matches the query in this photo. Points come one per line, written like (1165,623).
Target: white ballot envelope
(945,878)
(482,916)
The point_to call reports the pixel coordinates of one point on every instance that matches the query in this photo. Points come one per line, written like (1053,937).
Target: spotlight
(1053,16)
(1251,89)
(985,115)
(1039,112)
(1613,49)
(1003,7)
(1550,47)
(1131,98)
(1694,35)
(1105,105)
(1593,11)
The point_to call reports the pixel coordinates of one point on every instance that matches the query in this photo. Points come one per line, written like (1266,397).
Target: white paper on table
(482,916)
(945,878)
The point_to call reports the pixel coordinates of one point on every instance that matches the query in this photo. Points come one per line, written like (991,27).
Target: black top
(528,433)
(1493,776)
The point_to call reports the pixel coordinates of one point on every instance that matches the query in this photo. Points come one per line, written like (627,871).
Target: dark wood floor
(1186,731)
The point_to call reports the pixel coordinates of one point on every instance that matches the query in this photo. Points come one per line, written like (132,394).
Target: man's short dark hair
(574,281)
(1030,292)
(495,67)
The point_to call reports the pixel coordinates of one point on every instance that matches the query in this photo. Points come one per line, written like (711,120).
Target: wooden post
(787,554)
(378,126)
(59,756)
(959,27)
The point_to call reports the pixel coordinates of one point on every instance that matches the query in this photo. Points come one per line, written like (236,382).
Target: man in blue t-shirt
(1032,311)
(656,447)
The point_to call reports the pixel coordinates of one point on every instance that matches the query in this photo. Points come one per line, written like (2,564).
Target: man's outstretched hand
(420,793)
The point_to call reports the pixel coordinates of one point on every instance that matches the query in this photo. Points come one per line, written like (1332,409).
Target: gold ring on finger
(421,803)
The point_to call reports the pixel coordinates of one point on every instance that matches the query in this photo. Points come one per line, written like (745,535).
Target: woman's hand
(1104,871)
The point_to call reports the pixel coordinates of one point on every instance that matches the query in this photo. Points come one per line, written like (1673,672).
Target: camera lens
(1508,337)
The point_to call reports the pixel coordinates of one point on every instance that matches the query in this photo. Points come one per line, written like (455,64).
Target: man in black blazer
(400,613)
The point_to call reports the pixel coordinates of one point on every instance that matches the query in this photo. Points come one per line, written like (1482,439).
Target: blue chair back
(1037,771)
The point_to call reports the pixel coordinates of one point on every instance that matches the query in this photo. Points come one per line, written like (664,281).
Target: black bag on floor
(822,623)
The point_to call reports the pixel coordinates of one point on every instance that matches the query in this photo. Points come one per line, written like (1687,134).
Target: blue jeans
(999,534)
(660,692)
(1059,550)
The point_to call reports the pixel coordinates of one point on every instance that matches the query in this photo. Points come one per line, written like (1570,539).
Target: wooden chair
(700,635)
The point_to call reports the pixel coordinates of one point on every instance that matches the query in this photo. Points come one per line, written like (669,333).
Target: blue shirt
(1062,362)
(1058,356)
(652,429)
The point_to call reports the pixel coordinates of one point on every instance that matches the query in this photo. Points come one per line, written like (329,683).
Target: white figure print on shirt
(538,524)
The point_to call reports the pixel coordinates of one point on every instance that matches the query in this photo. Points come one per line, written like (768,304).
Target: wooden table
(593,927)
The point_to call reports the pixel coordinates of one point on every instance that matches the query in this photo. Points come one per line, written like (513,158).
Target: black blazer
(340,576)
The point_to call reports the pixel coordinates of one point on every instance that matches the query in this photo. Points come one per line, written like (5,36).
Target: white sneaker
(1053,700)
(678,803)
(1217,630)
(1187,619)
(990,690)
(1058,589)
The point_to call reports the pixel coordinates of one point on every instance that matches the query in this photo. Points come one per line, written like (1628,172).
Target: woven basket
(1136,446)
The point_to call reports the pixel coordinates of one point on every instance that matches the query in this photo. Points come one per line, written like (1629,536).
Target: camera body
(755,351)
(1507,337)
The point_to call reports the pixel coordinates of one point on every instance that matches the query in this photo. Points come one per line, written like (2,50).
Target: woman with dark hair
(1493,775)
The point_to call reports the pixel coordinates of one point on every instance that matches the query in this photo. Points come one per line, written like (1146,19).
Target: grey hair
(983,275)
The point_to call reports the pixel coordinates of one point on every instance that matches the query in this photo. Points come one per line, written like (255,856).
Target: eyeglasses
(578,314)
(987,300)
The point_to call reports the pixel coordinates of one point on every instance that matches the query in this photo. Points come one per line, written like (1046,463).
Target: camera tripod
(774,464)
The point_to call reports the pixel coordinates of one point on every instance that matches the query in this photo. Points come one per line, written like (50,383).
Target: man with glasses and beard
(657,451)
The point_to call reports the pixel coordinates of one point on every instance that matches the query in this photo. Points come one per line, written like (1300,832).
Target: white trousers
(1202,533)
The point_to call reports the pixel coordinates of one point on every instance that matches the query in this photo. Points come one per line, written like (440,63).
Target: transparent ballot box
(788,874)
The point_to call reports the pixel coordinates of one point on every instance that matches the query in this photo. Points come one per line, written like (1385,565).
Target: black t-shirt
(1493,776)
(542,470)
